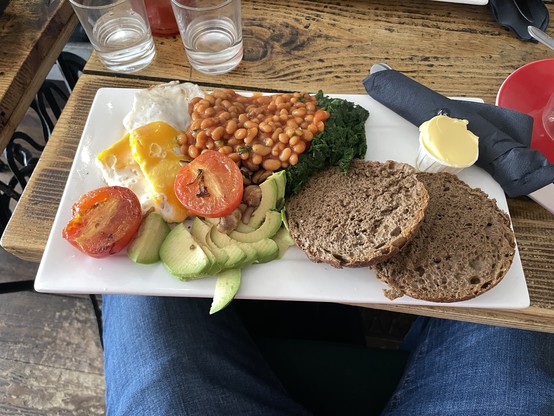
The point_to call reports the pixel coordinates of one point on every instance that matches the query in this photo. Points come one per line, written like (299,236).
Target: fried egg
(155,149)
(165,102)
(119,168)
(146,159)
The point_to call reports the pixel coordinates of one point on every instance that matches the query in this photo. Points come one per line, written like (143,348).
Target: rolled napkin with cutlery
(504,135)
(517,15)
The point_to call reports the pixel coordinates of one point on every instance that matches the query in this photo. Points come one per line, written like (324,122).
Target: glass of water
(118,31)
(211,32)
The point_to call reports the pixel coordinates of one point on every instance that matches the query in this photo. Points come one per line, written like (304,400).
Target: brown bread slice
(463,248)
(357,218)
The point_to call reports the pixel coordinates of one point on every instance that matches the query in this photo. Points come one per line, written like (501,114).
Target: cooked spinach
(342,140)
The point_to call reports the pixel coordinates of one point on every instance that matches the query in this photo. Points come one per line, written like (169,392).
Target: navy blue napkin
(504,135)
(517,15)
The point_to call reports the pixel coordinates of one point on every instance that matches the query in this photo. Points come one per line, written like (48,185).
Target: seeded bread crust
(463,248)
(357,218)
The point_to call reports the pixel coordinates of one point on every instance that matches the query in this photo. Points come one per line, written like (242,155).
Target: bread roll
(360,217)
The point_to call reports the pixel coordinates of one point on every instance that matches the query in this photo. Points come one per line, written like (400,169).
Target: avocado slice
(283,240)
(268,202)
(273,197)
(223,241)
(284,218)
(269,227)
(182,255)
(280,179)
(226,287)
(145,248)
(235,256)
(266,250)
(260,251)
(211,221)
(200,232)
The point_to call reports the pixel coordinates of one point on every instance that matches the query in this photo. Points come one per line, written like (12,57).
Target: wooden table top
(458,50)
(32,35)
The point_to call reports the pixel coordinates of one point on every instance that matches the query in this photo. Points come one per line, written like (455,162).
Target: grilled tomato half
(211,185)
(104,221)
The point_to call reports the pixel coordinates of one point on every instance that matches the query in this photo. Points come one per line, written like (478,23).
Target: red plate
(528,89)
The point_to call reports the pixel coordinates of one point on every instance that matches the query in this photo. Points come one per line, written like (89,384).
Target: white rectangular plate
(65,270)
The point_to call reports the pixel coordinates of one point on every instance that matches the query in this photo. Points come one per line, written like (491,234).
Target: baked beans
(266,132)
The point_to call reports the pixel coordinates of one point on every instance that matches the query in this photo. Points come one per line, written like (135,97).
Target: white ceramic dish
(65,270)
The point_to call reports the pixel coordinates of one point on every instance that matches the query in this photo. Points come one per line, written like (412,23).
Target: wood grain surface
(50,356)
(32,35)
(458,50)
(43,193)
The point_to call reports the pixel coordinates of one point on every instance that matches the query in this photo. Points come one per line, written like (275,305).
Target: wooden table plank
(32,34)
(34,214)
(50,356)
(456,49)
(534,318)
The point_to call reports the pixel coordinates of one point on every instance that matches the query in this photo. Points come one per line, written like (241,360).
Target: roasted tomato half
(104,221)
(210,186)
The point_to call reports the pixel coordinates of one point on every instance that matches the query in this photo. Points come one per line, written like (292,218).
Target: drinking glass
(161,17)
(211,32)
(118,31)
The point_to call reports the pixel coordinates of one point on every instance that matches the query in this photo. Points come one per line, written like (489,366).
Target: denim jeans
(470,369)
(168,356)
